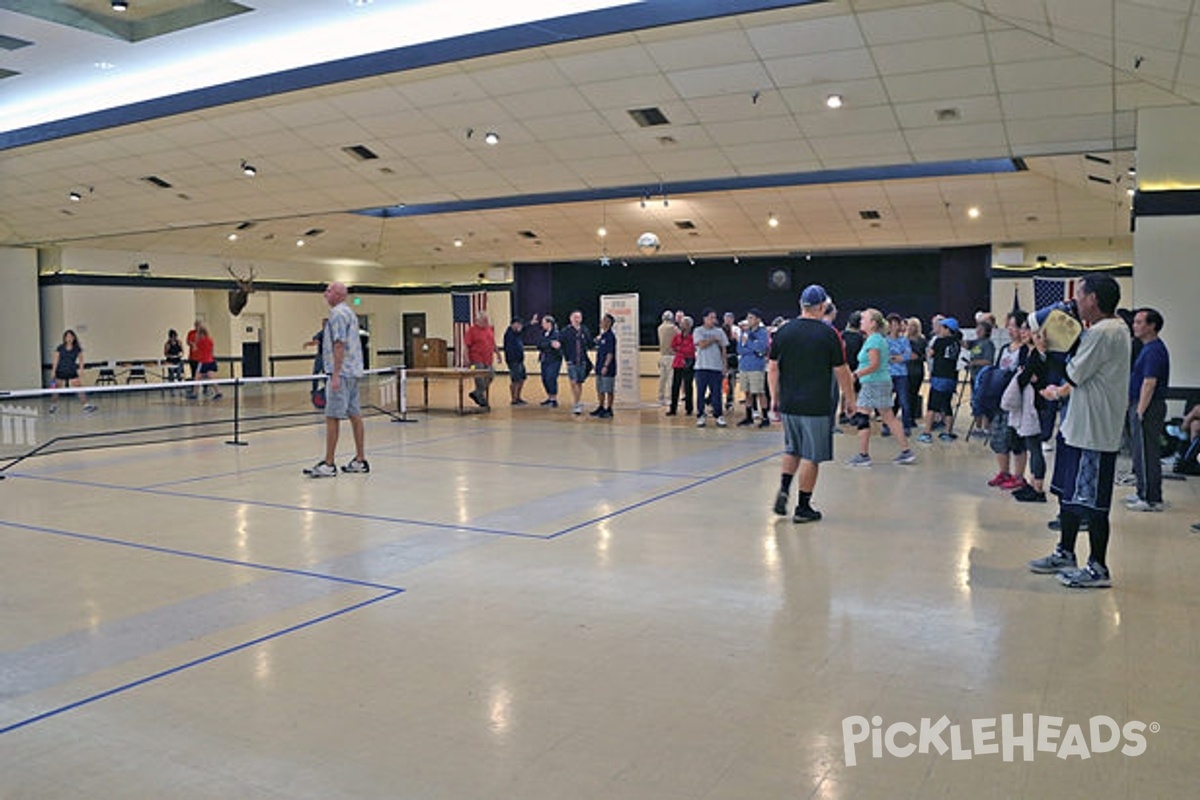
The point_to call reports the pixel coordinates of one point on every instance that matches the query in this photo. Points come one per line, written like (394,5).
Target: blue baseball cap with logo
(813,295)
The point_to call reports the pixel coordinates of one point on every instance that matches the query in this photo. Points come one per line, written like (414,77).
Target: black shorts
(66,376)
(940,401)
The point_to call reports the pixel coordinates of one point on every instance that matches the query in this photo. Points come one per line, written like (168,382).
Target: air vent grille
(649,117)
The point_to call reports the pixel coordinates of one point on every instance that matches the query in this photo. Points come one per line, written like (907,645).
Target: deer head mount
(241,294)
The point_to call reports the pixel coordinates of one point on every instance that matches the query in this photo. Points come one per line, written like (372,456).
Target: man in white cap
(342,355)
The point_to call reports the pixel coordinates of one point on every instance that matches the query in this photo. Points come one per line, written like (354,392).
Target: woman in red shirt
(206,362)
(683,367)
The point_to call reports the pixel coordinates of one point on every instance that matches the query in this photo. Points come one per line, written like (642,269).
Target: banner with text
(624,308)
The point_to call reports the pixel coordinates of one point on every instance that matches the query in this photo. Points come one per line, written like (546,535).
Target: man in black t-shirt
(943,376)
(805,355)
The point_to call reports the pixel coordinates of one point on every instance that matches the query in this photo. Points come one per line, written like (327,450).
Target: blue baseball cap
(951,323)
(813,295)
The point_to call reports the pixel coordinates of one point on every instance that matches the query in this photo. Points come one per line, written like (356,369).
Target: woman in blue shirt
(876,392)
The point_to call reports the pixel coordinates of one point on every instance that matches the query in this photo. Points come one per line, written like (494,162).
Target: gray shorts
(606,384)
(875,394)
(810,438)
(577,373)
(344,402)
(753,382)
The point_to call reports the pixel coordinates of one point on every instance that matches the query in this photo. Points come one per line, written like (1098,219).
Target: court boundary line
(88,537)
(661,496)
(195,662)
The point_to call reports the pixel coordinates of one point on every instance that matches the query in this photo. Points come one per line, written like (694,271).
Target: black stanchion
(237,408)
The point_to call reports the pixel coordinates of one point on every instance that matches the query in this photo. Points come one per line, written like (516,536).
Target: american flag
(1048,291)
(465,307)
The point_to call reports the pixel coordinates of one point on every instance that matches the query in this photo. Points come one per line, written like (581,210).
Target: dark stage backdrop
(913,283)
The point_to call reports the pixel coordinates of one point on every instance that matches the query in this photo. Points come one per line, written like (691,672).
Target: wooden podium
(429,353)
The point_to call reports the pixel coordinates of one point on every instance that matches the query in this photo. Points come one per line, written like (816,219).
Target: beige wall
(20,359)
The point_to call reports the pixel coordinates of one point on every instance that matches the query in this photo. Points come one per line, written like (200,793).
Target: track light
(248,169)
(120,5)
(492,138)
(75,197)
(834,101)
(737,260)
(691,260)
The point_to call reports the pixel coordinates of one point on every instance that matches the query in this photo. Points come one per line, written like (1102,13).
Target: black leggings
(1070,516)
(1037,460)
(682,376)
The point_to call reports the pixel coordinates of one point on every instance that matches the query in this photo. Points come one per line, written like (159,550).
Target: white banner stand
(624,308)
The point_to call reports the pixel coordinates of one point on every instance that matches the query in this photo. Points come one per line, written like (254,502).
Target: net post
(402,390)
(237,419)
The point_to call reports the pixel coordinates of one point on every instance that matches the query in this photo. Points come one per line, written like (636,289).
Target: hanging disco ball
(648,243)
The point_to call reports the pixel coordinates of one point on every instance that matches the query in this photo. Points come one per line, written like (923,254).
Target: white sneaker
(1132,499)
(321,470)
(578,409)
(700,421)
(1143,505)
(720,422)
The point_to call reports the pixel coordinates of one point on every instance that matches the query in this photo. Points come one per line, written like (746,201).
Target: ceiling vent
(947,114)
(685,225)
(668,141)
(313,232)
(1098,179)
(157,181)
(648,117)
(11,43)
(527,234)
(1097,159)
(869,214)
(245,226)
(360,152)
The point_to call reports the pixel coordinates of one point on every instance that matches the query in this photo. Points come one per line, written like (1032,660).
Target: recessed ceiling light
(772,220)
(458,242)
(120,5)
(492,138)
(248,169)
(299,243)
(834,101)
(602,232)
(232,237)
(973,212)
(75,197)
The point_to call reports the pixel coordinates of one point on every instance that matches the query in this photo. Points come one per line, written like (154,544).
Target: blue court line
(87,537)
(282,506)
(195,662)
(662,496)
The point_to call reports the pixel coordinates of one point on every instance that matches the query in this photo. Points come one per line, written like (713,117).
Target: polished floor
(533,606)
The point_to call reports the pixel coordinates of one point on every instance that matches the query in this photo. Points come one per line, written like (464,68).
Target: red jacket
(684,347)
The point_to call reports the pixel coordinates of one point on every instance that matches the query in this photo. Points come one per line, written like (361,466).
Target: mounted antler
(239,296)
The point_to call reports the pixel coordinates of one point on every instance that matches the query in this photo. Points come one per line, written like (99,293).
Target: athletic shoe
(546,402)
(598,411)
(905,457)
(859,460)
(947,437)
(578,409)
(1144,505)
(1131,499)
(1093,576)
(606,413)
(671,414)
(720,422)
(519,403)
(700,421)
(804,515)
(1056,524)
(554,404)
(88,408)
(1028,494)
(999,478)
(53,409)
(781,504)
(766,423)
(1013,482)
(1125,479)
(322,470)
(217,395)
(745,422)
(925,438)
(884,430)
(355,465)
(1058,560)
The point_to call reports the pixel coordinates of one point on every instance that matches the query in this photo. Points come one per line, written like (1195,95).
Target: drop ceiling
(1048,89)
